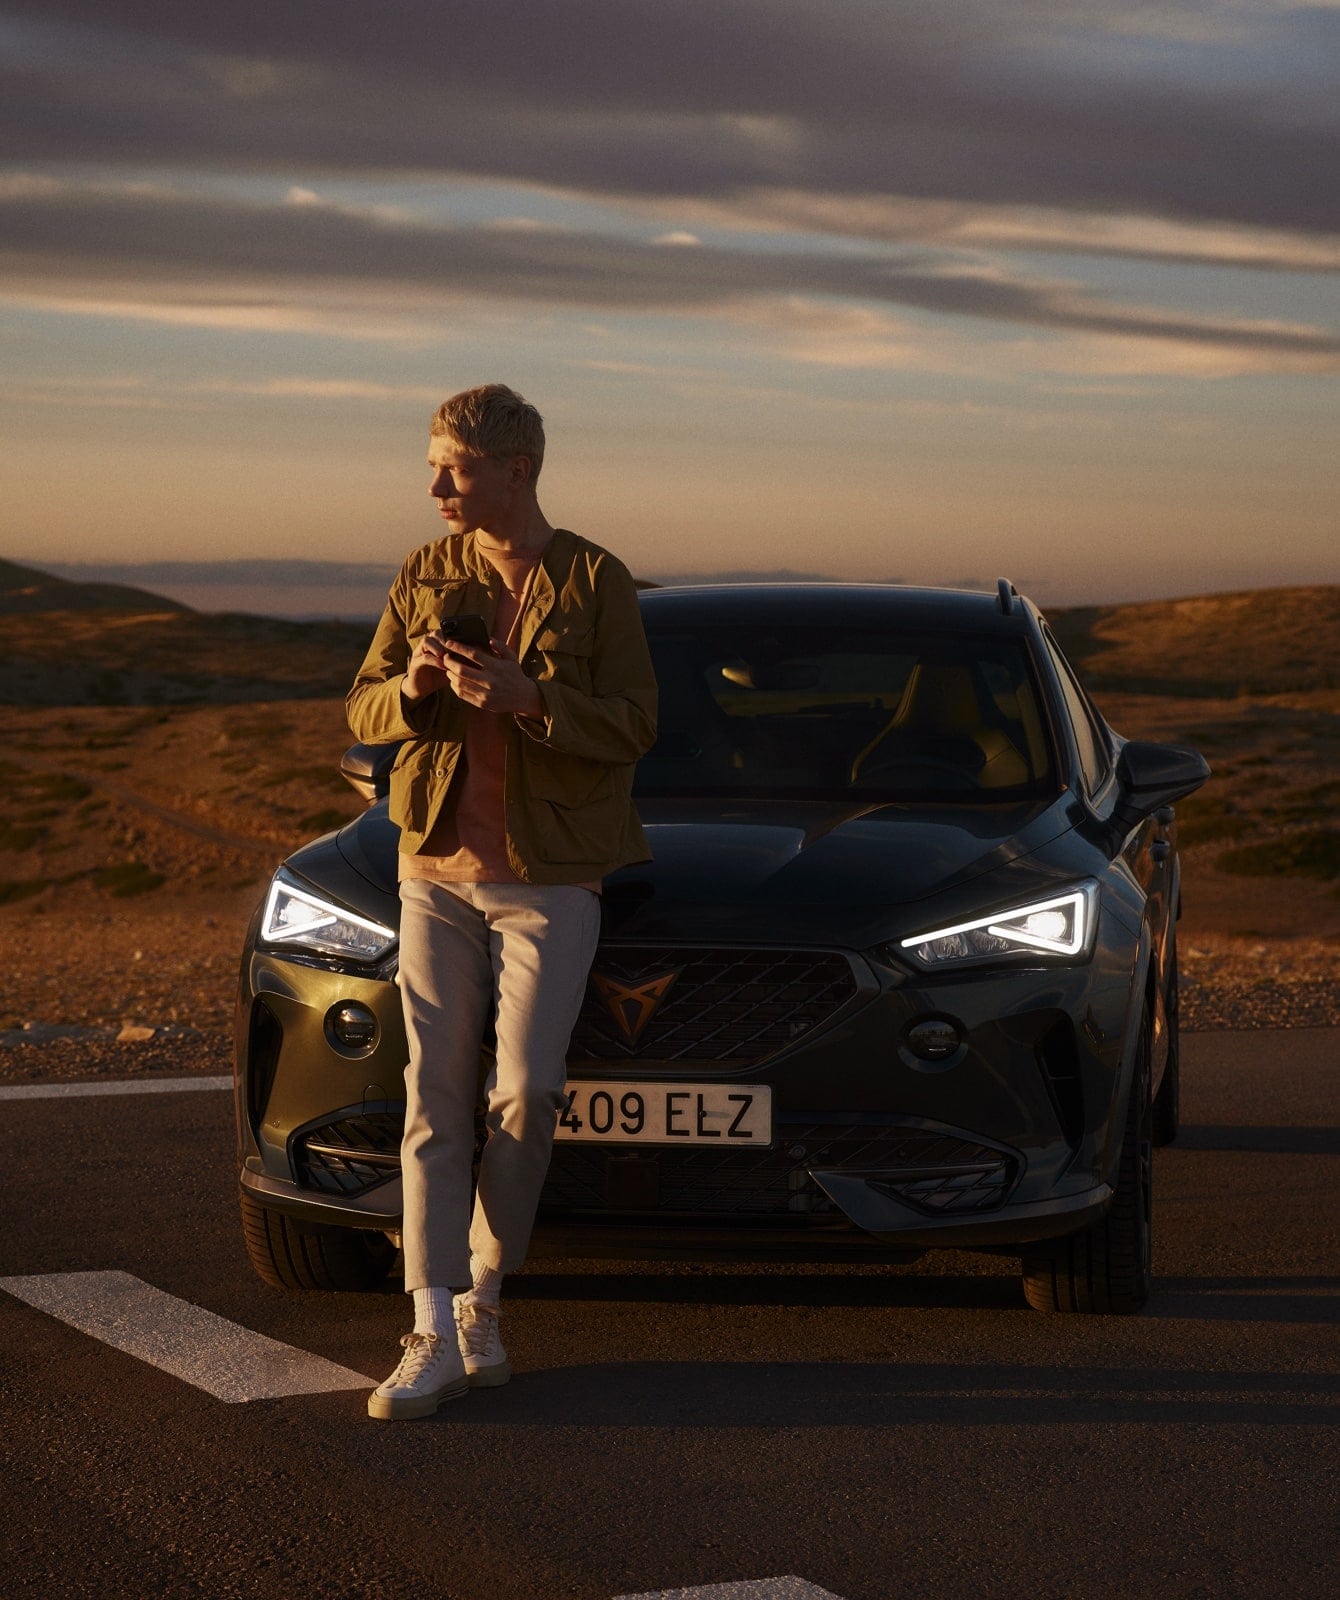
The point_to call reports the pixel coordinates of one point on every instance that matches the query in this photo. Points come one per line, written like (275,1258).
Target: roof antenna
(1005,594)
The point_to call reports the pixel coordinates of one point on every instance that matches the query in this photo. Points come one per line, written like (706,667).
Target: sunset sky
(928,291)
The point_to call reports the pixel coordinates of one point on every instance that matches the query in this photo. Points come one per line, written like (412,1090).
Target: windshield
(829,712)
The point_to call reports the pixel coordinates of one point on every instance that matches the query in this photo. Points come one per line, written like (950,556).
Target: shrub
(125,878)
(20,889)
(1309,853)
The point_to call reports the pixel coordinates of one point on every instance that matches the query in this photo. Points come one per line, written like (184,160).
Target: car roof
(850,604)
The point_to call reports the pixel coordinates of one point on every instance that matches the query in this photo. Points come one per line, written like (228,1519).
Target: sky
(892,290)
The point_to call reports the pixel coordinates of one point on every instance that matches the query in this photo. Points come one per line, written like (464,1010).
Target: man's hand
(426,671)
(491,680)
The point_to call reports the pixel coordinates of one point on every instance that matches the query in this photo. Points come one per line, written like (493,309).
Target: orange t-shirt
(468,843)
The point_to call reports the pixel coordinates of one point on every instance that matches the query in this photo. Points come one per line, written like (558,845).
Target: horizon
(259,588)
(868,290)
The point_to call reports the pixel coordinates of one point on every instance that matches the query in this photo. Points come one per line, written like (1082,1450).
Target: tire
(1168,1101)
(288,1254)
(1106,1269)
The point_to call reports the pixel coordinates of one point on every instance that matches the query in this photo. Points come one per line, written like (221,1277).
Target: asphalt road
(877,1433)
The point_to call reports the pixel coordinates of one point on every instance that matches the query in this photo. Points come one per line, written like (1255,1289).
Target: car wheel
(1106,1269)
(1167,1102)
(288,1254)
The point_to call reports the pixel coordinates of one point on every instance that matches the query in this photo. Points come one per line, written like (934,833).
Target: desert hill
(1261,641)
(26,590)
(97,644)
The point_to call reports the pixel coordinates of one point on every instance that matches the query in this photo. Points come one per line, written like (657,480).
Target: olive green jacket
(568,776)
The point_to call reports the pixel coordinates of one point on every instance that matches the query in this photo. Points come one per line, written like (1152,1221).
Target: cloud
(867,338)
(819,180)
(226,262)
(1202,110)
(131,393)
(324,389)
(898,219)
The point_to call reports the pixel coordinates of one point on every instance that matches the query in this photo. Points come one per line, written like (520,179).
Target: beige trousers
(523,952)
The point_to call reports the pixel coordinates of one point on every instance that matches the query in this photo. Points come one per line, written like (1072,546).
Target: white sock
(433,1313)
(487,1283)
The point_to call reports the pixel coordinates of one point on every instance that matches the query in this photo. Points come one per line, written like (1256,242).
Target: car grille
(937,1174)
(702,1006)
(351,1154)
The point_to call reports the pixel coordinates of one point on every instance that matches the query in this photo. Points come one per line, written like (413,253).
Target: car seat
(942,736)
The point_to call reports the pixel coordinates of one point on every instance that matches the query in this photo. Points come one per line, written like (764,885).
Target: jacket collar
(461,558)
(551,575)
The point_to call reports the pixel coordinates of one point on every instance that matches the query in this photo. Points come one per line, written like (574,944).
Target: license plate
(667,1113)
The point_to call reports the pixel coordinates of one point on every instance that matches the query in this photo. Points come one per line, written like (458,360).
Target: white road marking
(788,1588)
(63,1091)
(230,1362)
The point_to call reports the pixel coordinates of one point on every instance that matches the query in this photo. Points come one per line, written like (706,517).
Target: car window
(827,711)
(1093,754)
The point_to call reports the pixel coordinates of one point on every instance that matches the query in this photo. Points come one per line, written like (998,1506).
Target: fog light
(351,1028)
(933,1039)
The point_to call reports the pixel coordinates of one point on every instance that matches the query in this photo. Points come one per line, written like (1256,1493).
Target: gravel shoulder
(1234,984)
(166,1055)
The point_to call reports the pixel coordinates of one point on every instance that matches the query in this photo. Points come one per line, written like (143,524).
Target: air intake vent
(351,1154)
(266,1039)
(1059,1061)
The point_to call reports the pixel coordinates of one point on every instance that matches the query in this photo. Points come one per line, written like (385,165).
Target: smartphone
(469,628)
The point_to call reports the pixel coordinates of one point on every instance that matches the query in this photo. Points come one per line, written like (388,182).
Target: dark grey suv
(902,974)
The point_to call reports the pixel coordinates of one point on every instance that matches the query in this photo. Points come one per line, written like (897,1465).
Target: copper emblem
(632,1005)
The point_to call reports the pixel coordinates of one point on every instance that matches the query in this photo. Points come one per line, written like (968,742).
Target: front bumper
(380,1209)
(868,1205)
(1039,1080)
(868,1217)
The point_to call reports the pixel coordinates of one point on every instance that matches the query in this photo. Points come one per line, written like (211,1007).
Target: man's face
(472,492)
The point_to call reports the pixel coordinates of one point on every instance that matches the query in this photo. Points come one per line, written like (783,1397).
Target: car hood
(818,871)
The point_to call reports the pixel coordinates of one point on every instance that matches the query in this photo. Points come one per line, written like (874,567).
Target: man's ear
(519,471)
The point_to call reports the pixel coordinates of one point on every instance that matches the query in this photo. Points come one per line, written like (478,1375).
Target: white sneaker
(430,1371)
(481,1348)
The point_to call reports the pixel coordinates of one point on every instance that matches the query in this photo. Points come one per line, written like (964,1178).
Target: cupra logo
(633,1005)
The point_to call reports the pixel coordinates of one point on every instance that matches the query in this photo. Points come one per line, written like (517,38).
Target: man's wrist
(411,702)
(536,713)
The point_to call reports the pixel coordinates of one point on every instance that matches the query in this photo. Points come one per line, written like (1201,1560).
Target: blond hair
(493,420)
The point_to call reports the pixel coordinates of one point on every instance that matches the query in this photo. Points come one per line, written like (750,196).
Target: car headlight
(1061,926)
(299,917)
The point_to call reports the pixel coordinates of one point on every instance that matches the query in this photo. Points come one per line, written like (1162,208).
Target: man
(512,794)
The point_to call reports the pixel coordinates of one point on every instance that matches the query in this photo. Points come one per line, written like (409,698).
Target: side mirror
(368,768)
(1154,775)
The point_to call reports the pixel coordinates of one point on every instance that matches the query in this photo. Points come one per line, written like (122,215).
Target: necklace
(505,553)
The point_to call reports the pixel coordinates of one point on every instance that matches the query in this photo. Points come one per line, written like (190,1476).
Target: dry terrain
(163,761)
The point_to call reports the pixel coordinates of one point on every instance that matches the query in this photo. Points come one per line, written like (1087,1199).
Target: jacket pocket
(431,600)
(572,639)
(406,806)
(570,782)
(420,778)
(565,655)
(576,808)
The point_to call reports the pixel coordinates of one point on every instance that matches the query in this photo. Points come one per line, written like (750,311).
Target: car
(901,976)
